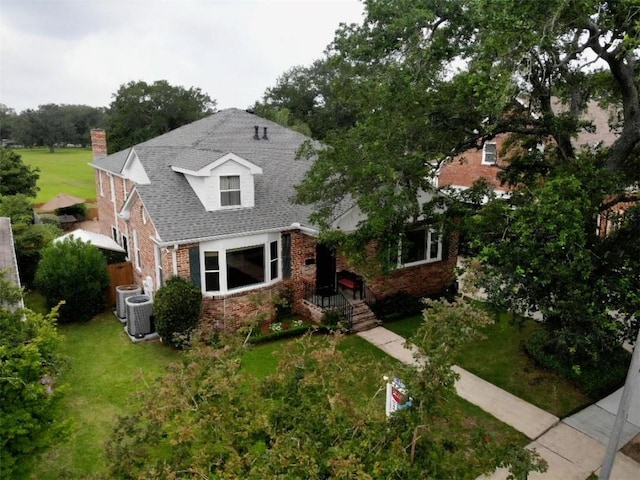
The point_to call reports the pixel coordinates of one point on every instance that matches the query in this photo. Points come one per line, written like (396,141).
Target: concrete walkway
(574,447)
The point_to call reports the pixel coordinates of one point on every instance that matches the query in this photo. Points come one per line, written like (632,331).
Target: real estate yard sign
(397,396)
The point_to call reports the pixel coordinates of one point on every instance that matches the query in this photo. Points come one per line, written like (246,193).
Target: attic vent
(264,135)
(256,136)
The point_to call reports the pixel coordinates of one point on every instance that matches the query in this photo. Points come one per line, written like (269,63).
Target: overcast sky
(81,51)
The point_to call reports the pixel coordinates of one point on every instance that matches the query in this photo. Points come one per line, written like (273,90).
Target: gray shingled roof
(175,209)
(8,261)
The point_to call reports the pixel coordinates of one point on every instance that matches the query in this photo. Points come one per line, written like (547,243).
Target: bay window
(240,264)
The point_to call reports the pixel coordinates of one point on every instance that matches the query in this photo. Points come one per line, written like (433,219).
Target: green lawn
(103,369)
(65,171)
(500,359)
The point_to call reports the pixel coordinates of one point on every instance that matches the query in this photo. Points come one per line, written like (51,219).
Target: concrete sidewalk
(573,448)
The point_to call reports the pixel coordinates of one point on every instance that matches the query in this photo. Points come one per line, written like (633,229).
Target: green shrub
(75,272)
(177,307)
(594,379)
(284,302)
(295,331)
(396,306)
(30,240)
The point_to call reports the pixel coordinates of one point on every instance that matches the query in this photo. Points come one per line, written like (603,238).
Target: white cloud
(81,51)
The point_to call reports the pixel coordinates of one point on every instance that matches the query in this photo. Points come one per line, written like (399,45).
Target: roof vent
(256,136)
(264,135)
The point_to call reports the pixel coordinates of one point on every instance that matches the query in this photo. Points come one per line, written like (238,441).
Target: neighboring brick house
(464,170)
(211,202)
(485,162)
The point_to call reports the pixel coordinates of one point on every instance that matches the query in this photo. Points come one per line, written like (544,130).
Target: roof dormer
(225,183)
(133,169)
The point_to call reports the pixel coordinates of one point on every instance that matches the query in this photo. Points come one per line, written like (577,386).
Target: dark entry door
(325,269)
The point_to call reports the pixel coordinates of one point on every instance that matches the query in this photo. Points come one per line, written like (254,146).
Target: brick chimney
(98,143)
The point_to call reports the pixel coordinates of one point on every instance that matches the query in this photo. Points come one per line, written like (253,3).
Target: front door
(325,269)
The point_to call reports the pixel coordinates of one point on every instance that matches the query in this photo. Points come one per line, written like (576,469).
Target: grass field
(65,171)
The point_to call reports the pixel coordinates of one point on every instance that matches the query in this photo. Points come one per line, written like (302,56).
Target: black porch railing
(329,300)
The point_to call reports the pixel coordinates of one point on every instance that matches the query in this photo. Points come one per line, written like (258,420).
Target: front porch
(354,309)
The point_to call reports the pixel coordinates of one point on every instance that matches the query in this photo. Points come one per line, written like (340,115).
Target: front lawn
(105,369)
(500,359)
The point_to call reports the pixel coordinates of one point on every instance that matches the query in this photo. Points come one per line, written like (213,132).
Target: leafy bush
(396,306)
(30,240)
(284,302)
(294,331)
(594,379)
(75,272)
(19,208)
(30,356)
(177,307)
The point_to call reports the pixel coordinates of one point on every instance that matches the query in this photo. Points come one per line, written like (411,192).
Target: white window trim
(437,258)
(124,188)
(221,191)
(273,260)
(484,154)
(100,183)
(221,246)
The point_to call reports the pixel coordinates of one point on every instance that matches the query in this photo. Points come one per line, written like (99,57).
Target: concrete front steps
(363,318)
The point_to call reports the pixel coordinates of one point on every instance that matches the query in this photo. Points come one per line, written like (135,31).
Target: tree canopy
(308,99)
(433,79)
(16,177)
(318,416)
(50,125)
(426,81)
(141,111)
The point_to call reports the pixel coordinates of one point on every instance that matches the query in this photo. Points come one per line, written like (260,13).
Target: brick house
(486,161)
(210,202)
(462,171)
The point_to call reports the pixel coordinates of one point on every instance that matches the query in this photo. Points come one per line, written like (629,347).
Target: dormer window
(230,191)
(222,184)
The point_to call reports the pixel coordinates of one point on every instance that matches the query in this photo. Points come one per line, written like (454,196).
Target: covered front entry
(325,270)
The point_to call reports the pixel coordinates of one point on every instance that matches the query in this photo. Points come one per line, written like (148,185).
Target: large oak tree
(141,111)
(428,80)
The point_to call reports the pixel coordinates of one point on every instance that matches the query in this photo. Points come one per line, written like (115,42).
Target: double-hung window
(490,153)
(211,271)
(273,259)
(230,191)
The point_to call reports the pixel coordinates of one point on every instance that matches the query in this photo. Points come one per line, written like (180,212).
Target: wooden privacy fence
(120,274)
